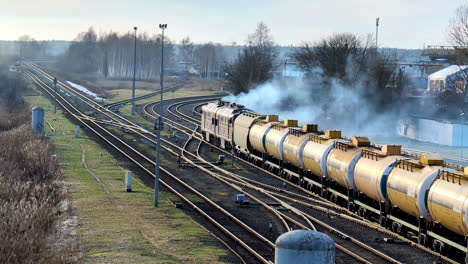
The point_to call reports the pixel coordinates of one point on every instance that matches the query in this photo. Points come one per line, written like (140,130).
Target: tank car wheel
(422,239)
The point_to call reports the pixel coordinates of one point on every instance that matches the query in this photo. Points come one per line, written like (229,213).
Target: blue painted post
(37,120)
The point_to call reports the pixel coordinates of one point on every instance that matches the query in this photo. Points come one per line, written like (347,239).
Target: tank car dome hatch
(361,141)
(391,149)
(310,128)
(271,118)
(431,159)
(331,134)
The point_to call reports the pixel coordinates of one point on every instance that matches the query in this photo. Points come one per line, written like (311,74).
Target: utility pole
(55,95)
(376,33)
(159,125)
(134,73)
(462,138)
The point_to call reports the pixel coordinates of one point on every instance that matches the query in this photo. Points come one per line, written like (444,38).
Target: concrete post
(77,131)
(304,246)
(128,180)
(37,120)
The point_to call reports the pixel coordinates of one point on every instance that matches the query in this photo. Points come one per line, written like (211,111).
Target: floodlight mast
(159,125)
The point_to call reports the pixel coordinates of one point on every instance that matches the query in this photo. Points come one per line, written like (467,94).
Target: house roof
(445,72)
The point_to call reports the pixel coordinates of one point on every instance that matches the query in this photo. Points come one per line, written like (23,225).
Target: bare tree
(208,58)
(354,63)
(457,33)
(186,51)
(255,62)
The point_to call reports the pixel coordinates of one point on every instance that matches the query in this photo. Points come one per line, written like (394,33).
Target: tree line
(111,55)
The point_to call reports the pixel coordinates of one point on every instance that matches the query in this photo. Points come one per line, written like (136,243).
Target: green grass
(121,227)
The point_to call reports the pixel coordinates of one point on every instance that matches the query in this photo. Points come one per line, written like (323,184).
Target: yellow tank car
(258,132)
(342,160)
(372,170)
(409,181)
(316,150)
(293,146)
(275,138)
(448,201)
(242,125)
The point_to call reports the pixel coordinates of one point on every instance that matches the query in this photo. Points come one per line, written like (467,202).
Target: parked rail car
(295,142)
(409,182)
(342,160)
(259,131)
(274,138)
(316,151)
(447,201)
(242,125)
(372,170)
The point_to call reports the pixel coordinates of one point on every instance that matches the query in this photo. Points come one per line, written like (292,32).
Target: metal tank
(409,181)
(447,201)
(342,160)
(242,125)
(316,150)
(258,132)
(304,246)
(294,144)
(372,170)
(274,139)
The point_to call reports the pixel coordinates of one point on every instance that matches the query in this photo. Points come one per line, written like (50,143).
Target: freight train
(420,197)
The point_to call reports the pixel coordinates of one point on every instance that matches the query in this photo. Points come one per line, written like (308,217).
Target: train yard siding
(121,227)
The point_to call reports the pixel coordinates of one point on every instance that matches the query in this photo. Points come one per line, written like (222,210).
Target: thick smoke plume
(327,102)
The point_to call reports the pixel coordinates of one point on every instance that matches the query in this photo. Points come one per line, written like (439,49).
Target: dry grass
(30,200)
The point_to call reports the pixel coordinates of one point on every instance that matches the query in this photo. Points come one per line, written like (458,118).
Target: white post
(77,131)
(128,180)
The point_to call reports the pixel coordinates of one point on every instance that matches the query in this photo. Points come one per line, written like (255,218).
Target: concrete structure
(304,246)
(434,131)
(37,120)
(128,180)
(449,78)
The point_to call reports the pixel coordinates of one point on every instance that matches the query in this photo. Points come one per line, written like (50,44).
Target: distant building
(451,78)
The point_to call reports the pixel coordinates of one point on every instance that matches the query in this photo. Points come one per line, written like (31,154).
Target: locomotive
(420,197)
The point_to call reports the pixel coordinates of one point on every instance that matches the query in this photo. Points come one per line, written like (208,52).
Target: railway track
(301,219)
(248,239)
(328,229)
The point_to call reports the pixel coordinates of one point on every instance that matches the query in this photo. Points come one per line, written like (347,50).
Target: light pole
(462,124)
(376,32)
(134,73)
(159,125)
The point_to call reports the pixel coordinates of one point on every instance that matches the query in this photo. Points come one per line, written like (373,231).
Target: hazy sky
(404,23)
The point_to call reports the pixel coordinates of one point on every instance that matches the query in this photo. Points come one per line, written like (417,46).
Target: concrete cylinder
(304,246)
(37,120)
(128,180)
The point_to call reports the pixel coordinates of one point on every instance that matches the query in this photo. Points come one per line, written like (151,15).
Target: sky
(403,23)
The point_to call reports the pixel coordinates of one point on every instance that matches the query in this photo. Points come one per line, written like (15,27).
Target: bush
(30,200)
